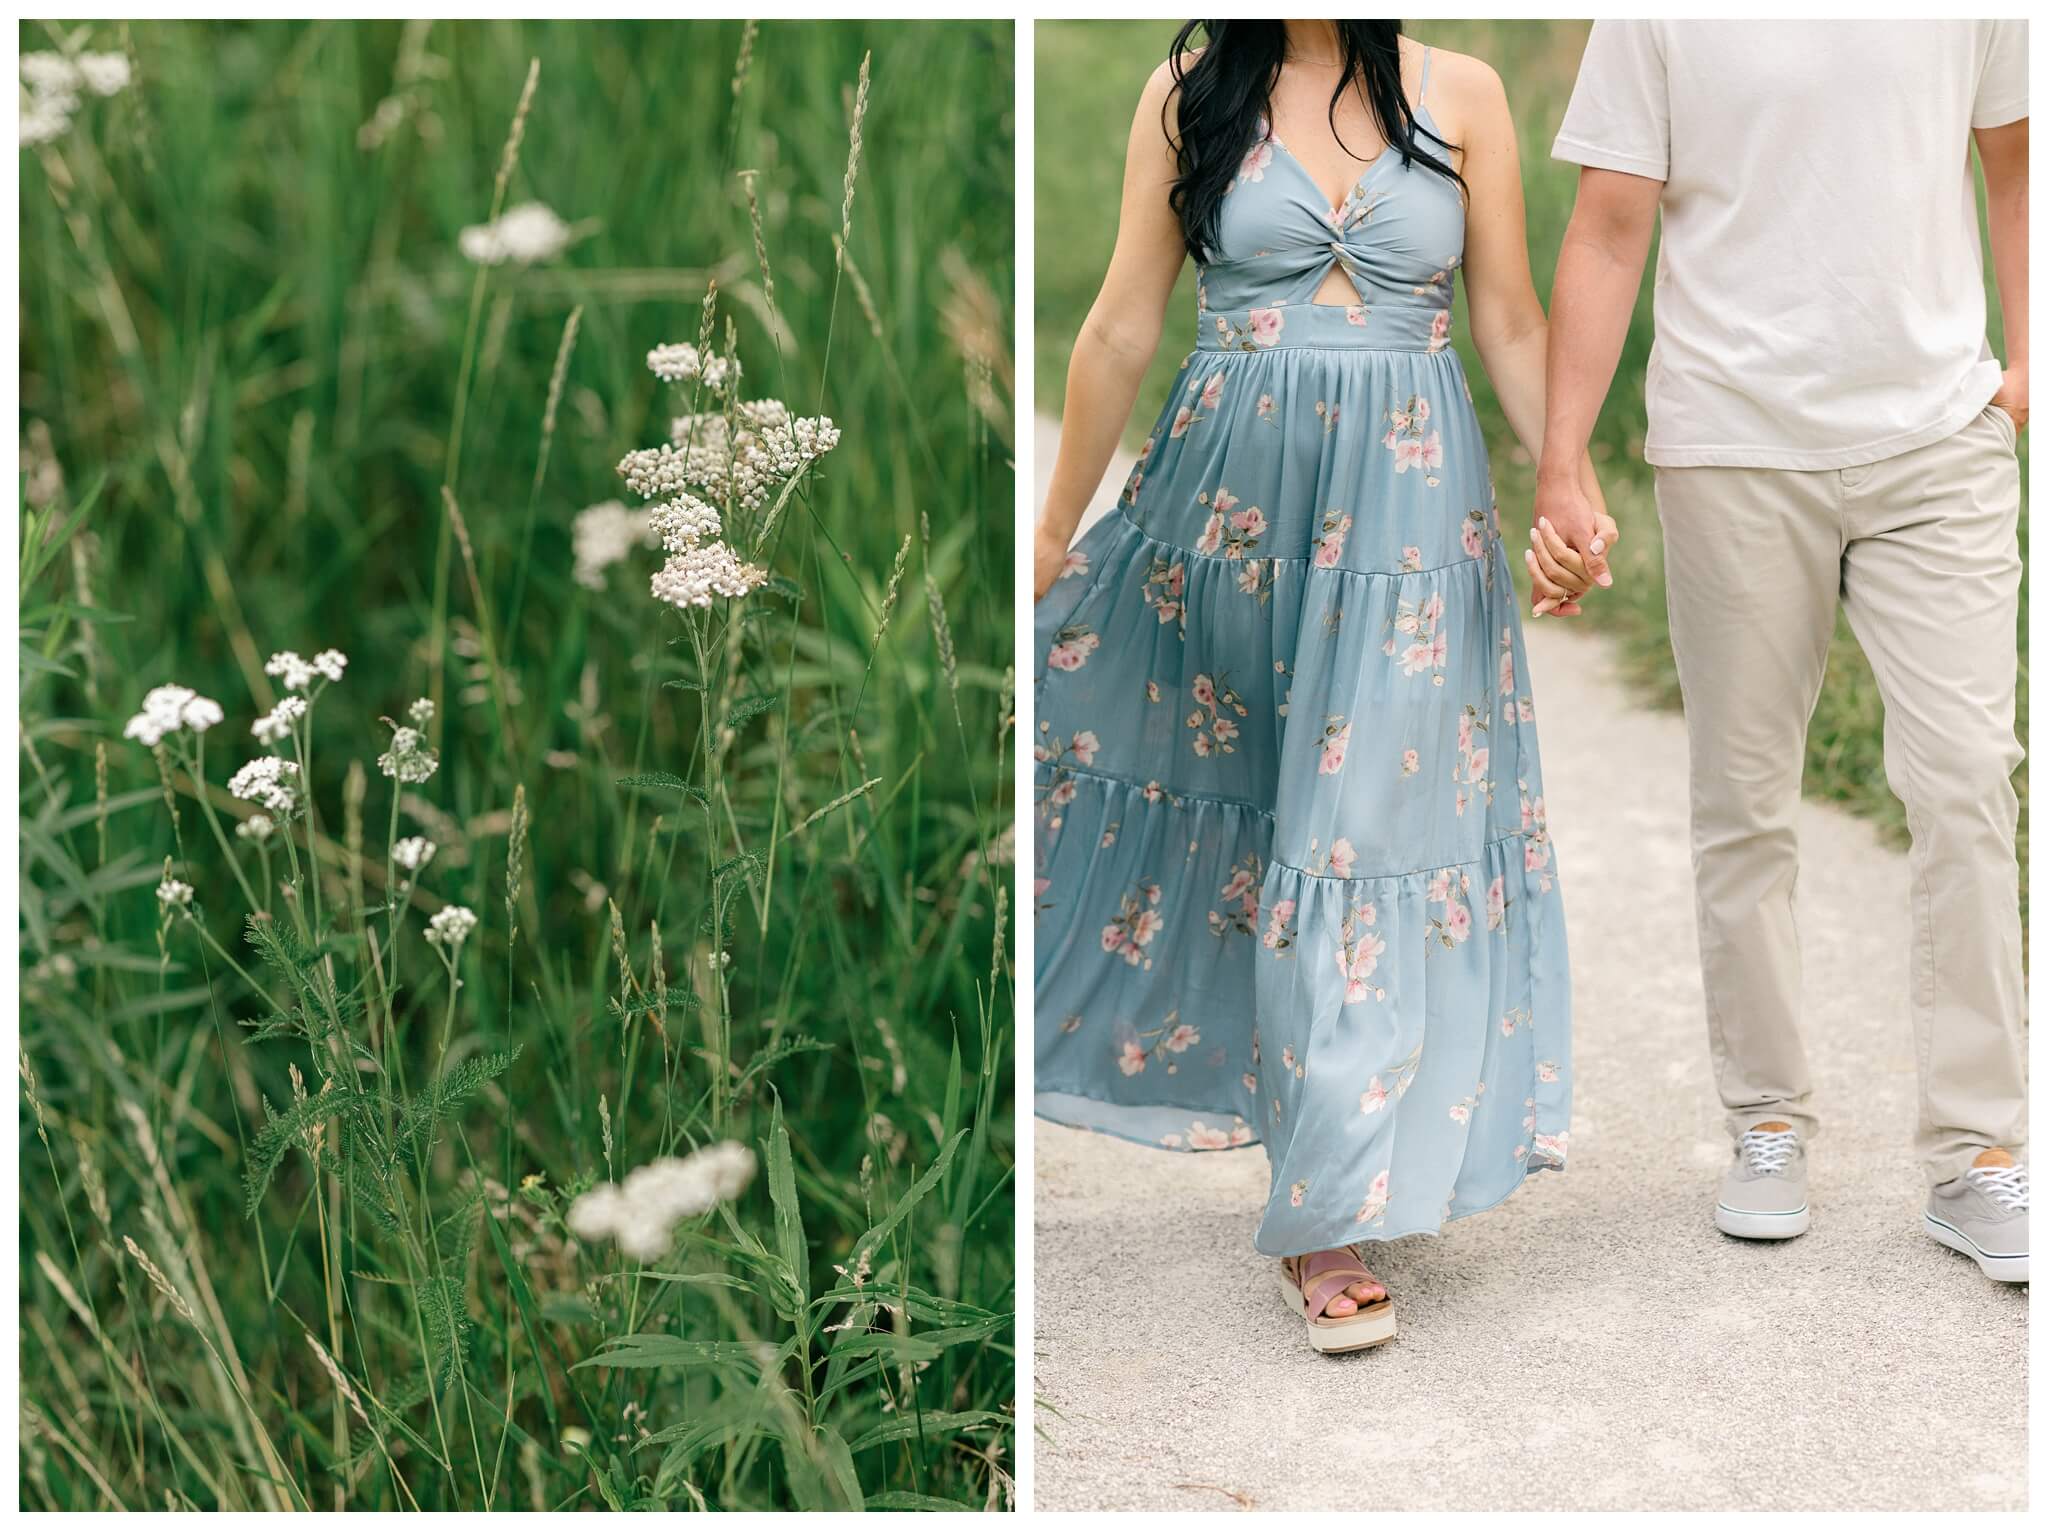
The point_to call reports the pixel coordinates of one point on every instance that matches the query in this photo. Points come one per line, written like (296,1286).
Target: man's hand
(2012,396)
(1048,557)
(1557,571)
(1571,539)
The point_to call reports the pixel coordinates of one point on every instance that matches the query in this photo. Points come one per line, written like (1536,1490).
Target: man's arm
(1599,269)
(2003,153)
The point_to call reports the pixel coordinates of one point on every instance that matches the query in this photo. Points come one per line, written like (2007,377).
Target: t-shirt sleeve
(1620,112)
(2002,87)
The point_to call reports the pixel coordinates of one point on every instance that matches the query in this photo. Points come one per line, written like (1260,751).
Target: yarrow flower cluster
(258,827)
(421,712)
(173,894)
(276,725)
(686,364)
(299,674)
(51,85)
(270,780)
(523,235)
(171,709)
(409,760)
(640,1213)
(450,927)
(684,522)
(738,458)
(701,570)
(605,534)
(413,852)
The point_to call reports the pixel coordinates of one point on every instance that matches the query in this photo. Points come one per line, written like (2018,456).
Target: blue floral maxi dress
(1294,881)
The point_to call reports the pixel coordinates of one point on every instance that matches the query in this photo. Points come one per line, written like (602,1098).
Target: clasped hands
(1570,539)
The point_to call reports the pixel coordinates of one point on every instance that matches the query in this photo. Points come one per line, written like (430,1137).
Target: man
(1827,424)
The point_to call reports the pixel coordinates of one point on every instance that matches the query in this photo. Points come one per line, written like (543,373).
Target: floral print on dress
(1164,592)
(1412,441)
(1162,1043)
(1264,786)
(1214,720)
(1136,926)
(1072,646)
(1208,399)
(1137,475)
(1230,531)
(1359,950)
(1421,623)
(1260,331)
(1239,914)
(1330,545)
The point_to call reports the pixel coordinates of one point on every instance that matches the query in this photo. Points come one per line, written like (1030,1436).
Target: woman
(1295,884)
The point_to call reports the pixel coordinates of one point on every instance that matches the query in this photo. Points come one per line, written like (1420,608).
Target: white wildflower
(693,576)
(451,926)
(409,760)
(258,827)
(651,472)
(269,780)
(641,1212)
(168,709)
(50,74)
(815,435)
(299,674)
(523,235)
(603,535)
(684,522)
(104,74)
(413,852)
(173,894)
(680,363)
(421,712)
(44,119)
(276,724)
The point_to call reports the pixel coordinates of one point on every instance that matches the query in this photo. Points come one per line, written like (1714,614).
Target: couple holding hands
(1295,878)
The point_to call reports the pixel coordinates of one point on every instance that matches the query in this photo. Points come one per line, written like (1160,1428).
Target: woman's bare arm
(1117,342)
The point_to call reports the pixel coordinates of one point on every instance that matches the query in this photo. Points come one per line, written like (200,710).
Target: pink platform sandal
(1312,1282)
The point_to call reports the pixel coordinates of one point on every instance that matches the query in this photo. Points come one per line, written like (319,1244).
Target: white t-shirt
(1820,285)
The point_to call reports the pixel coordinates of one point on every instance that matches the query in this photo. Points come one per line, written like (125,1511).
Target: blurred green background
(243,315)
(1089,75)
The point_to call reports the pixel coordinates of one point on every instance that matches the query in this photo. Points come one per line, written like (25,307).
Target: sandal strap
(1323,1276)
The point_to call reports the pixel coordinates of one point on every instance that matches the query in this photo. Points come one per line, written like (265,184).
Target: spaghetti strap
(1422,85)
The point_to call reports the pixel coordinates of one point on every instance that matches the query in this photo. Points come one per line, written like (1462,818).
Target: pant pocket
(2006,425)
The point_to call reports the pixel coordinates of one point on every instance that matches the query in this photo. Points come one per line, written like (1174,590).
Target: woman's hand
(1048,557)
(1557,570)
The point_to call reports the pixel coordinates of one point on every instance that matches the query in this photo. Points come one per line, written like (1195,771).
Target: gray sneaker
(1763,1193)
(1983,1213)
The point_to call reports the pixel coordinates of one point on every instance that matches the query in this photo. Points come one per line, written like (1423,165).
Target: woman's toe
(1363,1292)
(1340,1307)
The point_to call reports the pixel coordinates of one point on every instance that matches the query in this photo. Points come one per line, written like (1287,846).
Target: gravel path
(1593,1343)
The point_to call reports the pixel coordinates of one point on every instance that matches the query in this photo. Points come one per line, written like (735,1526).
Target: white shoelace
(1767,1153)
(2006,1186)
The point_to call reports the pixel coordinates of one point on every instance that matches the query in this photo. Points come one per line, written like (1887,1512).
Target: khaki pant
(1922,551)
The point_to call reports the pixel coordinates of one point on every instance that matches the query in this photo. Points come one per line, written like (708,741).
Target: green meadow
(328,1194)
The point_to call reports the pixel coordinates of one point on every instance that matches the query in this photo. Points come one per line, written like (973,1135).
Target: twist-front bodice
(1399,235)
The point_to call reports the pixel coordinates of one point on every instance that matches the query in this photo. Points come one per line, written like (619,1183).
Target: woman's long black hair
(1229,87)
